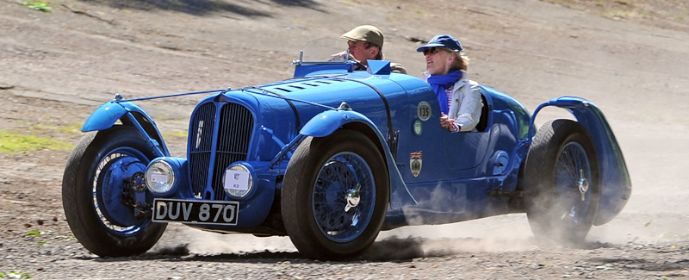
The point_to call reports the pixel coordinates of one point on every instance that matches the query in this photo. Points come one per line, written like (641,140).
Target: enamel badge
(423,111)
(415,163)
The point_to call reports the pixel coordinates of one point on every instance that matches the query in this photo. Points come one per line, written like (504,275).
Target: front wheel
(562,186)
(335,195)
(105,201)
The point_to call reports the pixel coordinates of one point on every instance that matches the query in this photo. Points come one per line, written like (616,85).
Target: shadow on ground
(392,249)
(203,7)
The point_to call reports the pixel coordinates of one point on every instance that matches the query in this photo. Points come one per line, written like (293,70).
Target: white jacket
(466,104)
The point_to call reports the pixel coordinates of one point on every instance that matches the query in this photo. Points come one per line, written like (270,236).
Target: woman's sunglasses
(432,50)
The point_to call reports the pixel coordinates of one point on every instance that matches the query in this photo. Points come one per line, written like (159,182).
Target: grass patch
(65,129)
(34,233)
(73,128)
(176,134)
(15,275)
(38,5)
(14,143)
(620,14)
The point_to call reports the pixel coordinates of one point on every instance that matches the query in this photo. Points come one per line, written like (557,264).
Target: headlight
(238,180)
(159,176)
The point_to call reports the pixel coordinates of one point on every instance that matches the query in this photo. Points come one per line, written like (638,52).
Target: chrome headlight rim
(160,164)
(240,166)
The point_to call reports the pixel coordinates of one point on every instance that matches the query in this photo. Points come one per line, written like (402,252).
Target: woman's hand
(448,123)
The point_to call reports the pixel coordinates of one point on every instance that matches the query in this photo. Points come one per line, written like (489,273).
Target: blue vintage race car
(333,156)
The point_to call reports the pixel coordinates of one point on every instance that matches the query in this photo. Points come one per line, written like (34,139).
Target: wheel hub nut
(353,197)
(583,184)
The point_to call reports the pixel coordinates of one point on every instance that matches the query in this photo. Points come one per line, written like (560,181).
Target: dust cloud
(657,211)
(496,234)
(198,242)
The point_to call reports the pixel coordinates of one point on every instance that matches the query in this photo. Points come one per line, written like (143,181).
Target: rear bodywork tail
(616,186)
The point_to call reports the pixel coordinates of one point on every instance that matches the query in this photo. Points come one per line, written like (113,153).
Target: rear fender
(130,114)
(614,177)
(326,123)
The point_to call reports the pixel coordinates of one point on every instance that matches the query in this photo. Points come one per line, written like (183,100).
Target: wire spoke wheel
(561,183)
(335,195)
(110,201)
(343,197)
(572,182)
(103,195)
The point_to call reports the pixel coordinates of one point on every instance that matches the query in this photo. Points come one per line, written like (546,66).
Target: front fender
(615,182)
(104,117)
(107,115)
(330,121)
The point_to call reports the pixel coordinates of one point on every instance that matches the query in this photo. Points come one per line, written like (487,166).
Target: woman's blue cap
(442,41)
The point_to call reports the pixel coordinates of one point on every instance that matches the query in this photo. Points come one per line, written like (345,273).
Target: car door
(465,151)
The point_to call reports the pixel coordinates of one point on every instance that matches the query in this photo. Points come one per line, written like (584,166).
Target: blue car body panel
(104,117)
(109,113)
(435,176)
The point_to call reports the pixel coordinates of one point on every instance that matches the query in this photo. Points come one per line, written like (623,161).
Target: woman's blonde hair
(461,61)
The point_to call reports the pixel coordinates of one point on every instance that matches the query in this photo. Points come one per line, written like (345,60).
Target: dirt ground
(628,56)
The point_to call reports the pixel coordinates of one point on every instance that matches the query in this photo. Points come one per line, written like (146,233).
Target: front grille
(201,143)
(234,133)
(236,124)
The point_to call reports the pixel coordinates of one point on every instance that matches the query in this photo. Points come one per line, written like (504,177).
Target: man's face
(359,51)
(438,61)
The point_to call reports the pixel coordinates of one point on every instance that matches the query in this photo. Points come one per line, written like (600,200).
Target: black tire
(89,224)
(562,186)
(299,203)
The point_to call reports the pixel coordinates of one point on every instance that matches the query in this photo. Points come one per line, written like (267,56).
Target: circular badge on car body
(423,111)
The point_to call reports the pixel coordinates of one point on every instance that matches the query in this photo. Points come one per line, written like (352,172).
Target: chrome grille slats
(202,122)
(235,127)
(235,124)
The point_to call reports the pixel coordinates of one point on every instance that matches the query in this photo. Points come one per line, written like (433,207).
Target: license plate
(195,211)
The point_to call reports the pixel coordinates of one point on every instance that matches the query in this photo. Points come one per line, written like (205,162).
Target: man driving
(365,42)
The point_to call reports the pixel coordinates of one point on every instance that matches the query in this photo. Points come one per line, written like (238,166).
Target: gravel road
(629,57)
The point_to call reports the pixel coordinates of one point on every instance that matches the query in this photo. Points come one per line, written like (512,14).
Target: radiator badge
(199,131)
(415,163)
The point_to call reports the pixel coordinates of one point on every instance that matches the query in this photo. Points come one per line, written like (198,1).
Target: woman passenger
(459,98)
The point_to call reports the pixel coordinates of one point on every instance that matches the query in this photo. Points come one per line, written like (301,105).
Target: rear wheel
(105,201)
(335,195)
(562,187)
